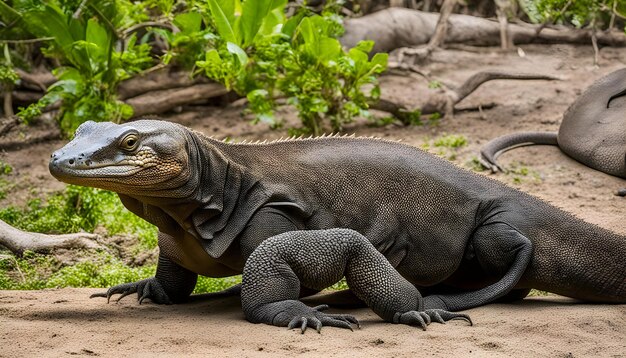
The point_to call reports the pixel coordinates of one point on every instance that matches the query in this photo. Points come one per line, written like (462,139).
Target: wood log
(397,27)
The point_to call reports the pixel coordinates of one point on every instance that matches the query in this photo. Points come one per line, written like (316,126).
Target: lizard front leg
(274,272)
(172,283)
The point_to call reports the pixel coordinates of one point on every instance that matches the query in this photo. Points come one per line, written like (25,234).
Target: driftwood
(396,27)
(18,241)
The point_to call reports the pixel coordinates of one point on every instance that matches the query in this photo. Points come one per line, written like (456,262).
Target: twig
(7,124)
(612,21)
(395,66)
(594,42)
(27,41)
(436,40)
(136,27)
(8,101)
(558,15)
(25,76)
(79,10)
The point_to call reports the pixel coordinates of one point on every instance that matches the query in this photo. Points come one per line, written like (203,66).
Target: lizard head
(141,157)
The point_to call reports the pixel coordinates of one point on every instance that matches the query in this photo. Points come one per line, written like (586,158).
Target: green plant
(261,54)
(451,141)
(519,171)
(580,13)
(92,66)
(5,168)
(189,40)
(475,165)
(210,284)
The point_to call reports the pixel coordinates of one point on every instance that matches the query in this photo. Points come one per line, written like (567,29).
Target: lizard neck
(220,197)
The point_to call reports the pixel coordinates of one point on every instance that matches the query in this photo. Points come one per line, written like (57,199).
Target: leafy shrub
(596,13)
(92,66)
(264,56)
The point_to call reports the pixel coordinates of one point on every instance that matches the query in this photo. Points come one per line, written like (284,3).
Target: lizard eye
(130,142)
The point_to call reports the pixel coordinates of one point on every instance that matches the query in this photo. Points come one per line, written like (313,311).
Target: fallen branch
(396,27)
(18,241)
(8,123)
(444,102)
(19,143)
(153,93)
(39,80)
(161,101)
(158,80)
(472,83)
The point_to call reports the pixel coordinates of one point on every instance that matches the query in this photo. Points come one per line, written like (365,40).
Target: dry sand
(66,322)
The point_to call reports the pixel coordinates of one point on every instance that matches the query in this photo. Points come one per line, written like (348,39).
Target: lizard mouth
(67,173)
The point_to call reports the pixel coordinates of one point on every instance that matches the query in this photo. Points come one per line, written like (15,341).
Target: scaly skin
(224,209)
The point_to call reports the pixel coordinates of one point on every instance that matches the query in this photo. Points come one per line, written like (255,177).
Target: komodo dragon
(592,131)
(301,213)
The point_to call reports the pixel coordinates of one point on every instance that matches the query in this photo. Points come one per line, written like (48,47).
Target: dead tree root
(18,241)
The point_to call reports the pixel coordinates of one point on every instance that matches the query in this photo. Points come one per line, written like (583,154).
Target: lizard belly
(188,253)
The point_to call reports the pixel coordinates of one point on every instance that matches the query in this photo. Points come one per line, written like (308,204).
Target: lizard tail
(580,260)
(490,152)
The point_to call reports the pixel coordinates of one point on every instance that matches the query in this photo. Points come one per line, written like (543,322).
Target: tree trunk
(396,27)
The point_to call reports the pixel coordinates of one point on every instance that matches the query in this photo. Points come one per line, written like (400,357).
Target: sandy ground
(66,322)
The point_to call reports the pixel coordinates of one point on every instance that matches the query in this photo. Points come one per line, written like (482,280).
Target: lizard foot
(294,314)
(424,318)
(148,288)
(316,319)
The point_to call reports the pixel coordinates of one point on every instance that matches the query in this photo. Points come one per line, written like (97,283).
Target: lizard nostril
(71,161)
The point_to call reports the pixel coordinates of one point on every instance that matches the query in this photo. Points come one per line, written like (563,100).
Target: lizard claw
(424,318)
(295,314)
(148,288)
(319,319)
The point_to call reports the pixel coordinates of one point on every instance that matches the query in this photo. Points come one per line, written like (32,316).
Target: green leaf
(306,31)
(213,57)
(50,22)
(365,46)
(253,14)
(98,35)
(273,22)
(238,52)
(289,28)
(380,59)
(358,56)
(224,26)
(328,49)
(188,22)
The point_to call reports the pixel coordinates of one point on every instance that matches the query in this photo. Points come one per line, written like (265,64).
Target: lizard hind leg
(499,249)
(317,259)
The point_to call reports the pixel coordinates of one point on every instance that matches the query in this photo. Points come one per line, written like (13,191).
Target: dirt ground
(57,323)
(65,322)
